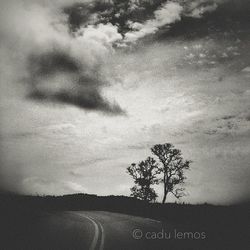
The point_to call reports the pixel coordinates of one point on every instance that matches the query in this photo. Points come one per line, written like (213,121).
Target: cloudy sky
(87,88)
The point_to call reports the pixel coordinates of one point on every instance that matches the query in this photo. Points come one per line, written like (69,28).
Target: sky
(88,88)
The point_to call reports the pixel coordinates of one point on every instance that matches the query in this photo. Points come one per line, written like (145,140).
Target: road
(114,231)
(29,229)
(93,230)
(117,231)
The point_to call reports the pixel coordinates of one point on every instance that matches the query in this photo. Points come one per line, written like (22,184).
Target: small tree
(144,175)
(172,168)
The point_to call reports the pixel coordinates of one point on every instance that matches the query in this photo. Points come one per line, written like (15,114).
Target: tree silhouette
(172,168)
(144,175)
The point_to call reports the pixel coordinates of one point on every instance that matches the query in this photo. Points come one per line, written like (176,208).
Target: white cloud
(33,185)
(197,10)
(101,36)
(167,14)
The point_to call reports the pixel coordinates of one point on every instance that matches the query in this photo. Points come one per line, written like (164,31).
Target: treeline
(122,204)
(23,217)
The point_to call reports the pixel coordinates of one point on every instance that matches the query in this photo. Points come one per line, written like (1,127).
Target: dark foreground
(27,228)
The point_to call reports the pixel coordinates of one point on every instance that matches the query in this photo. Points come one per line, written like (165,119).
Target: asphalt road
(117,231)
(113,231)
(77,230)
(101,230)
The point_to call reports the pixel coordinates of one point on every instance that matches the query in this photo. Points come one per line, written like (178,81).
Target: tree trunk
(165,181)
(164,198)
(165,194)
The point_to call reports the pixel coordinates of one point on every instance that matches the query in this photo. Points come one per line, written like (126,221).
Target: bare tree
(144,175)
(172,169)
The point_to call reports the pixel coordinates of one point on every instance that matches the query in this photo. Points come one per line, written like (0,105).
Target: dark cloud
(81,88)
(50,63)
(89,100)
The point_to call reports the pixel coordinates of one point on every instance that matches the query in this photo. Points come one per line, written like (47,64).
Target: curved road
(99,230)
(117,231)
(97,241)
(93,230)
